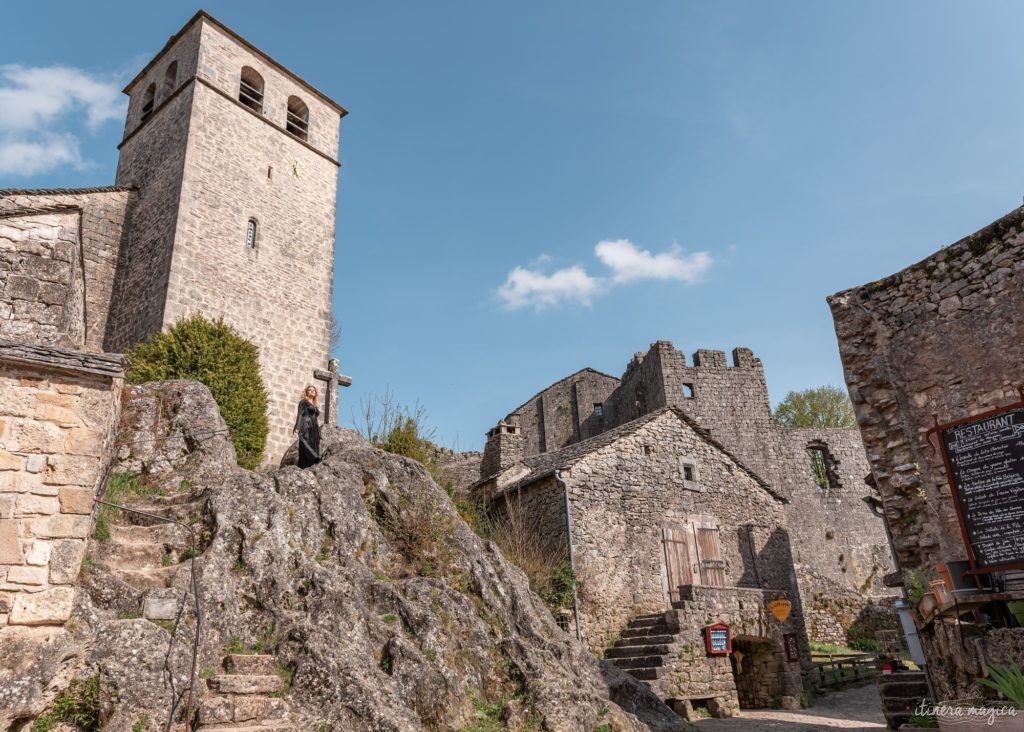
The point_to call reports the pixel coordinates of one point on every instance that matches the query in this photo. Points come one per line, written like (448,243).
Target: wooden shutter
(677,560)
(712,566)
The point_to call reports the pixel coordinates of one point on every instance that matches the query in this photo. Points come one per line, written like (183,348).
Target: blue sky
(739,162)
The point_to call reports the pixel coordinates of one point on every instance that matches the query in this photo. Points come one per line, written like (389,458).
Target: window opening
(250,234)
(147,102)
(598,410)
(170,79)
(297,122)
(823,466)
(250,89)
(687,391)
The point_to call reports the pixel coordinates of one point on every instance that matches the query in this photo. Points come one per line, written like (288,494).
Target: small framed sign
(792,648)
(718,640)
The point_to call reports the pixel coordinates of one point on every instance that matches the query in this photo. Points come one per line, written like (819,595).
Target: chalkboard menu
(985,459)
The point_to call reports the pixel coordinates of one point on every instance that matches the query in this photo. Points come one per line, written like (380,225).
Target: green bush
(213,353)
(867,645)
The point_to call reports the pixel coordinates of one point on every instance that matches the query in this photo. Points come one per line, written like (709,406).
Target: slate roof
(547,463)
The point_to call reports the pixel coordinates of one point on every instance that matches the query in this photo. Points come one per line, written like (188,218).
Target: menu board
(792,647)
(717,640)
(986,463)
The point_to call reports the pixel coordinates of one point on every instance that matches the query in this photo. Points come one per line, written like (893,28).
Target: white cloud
(628,263)
(39,154)
(526,288)
(530,287)
(41,110)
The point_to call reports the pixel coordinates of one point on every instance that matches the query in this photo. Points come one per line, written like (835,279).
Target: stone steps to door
(641,662)
(646,630)
(644,640)
(637,651)
(647,674)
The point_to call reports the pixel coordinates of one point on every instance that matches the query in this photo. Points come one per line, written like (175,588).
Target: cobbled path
(853,709)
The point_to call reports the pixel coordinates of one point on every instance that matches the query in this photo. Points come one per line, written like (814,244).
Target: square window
(689,472)
(687,391)
(598,410)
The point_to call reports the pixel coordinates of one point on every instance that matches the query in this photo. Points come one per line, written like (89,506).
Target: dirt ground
(853,709)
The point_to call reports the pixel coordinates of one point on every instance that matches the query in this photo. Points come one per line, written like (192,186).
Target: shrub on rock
(213,353)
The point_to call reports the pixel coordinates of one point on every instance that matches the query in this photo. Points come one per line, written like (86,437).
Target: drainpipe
(572,559)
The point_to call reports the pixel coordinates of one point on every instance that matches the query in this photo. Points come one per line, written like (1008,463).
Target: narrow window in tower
(250,234)
(147,102)
(688,391)
(250,89)
(598,410)
(170,80)
(298,118)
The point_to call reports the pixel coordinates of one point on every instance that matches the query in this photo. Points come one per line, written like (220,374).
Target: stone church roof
(548,463)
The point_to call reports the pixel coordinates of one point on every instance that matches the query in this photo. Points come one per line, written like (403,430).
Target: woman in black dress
(307,429)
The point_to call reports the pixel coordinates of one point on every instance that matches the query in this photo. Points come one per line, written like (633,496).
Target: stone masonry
(625,487)
(839,547)
(198,171)
(938,341)
(58,408)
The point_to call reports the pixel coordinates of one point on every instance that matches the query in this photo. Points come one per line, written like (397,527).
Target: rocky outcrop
(367,602)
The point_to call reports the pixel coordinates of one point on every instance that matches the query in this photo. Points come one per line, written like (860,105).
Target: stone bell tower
(234,158)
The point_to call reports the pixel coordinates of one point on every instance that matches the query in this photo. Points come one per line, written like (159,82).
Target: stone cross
(333,379)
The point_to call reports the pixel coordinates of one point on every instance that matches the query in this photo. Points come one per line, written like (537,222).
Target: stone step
(162,603)
(131,556)
(646,631)
(644,640)
(647,674)
(162,533)
(647,620)
(178,511)
(255,663)
(146,579)
(245,684)
(237,709)
(635,651)
(645,662)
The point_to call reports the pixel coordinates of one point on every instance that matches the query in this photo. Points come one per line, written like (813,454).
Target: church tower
(234,159)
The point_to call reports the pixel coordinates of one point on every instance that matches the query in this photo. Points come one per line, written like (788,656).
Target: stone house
(670,533)
(839,547)
(224,204)
(938,342)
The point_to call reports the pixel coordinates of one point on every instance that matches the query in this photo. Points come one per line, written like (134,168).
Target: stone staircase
(149,560)
(239,700)
(901,692)
(643,646)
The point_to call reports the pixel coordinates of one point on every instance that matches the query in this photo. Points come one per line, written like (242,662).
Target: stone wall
(625,493)
(767,676)
(58,409)
(940,340)
(59,251)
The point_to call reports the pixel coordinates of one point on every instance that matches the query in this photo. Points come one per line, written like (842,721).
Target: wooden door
(677,560)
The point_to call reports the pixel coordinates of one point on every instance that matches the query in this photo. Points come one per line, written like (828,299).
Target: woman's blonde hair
(316,392)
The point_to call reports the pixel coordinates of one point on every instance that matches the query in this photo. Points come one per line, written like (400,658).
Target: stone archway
(757,668)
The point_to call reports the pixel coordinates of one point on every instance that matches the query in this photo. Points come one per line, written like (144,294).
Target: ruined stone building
(682,492)
(223,204)
(938,342)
